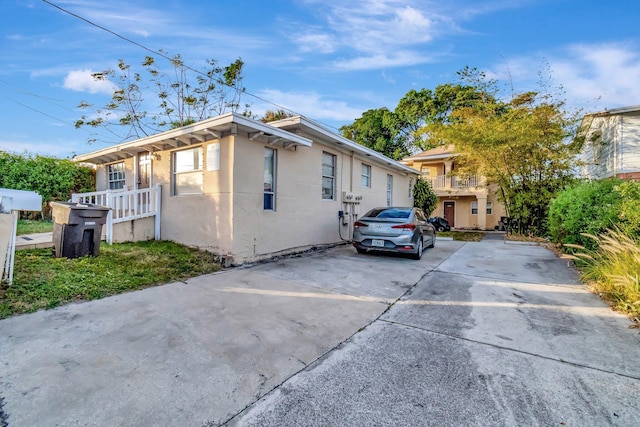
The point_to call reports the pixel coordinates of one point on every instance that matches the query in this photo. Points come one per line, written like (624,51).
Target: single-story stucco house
(244,189)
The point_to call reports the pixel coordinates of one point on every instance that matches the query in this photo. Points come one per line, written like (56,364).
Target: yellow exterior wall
(301,218)
(133,231)
(201,220)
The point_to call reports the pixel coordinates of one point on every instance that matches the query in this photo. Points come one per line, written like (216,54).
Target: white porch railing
(443,181)
(126,205)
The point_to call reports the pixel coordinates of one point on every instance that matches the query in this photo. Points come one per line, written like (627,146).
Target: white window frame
(270,194)
(116,176)
(389,190)
(196,171)
(365,175)
(489,208)
(332,177)
(474,207)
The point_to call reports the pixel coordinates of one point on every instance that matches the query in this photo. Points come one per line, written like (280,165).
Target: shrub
(54,179)
(588,207)
(424,197)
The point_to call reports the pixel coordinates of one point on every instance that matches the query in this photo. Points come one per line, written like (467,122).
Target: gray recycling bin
(77,228)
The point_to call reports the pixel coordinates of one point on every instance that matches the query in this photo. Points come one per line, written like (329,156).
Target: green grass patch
(464,236)
(28,226)
(43,281)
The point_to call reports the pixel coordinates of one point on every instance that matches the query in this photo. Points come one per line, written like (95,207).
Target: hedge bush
(592,207)
(54,179)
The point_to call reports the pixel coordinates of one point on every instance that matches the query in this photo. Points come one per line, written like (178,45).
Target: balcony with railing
(455,184)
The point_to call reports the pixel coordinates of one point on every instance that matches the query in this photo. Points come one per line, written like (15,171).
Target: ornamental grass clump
(612,269)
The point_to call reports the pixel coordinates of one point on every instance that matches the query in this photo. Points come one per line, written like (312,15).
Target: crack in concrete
(554,359)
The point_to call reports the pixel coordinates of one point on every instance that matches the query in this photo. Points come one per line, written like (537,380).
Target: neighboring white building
(612,145)
(247,190)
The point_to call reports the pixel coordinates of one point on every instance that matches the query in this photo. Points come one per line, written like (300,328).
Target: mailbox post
(12,201)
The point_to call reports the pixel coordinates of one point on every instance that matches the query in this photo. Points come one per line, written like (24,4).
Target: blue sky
(329,60)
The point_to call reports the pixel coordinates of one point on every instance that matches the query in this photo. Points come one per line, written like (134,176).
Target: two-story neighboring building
(612,144)
(466,202)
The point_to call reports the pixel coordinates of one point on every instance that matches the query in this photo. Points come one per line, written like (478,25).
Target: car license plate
(377,242)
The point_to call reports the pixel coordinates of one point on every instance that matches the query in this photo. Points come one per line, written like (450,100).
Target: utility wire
(162,55)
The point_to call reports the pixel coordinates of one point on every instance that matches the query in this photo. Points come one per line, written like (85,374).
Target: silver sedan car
(394,229)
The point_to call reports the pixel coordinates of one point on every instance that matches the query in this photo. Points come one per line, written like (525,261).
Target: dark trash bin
(77,228)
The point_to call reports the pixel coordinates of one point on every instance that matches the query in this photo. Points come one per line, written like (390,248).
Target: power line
(162,55)
(34,109)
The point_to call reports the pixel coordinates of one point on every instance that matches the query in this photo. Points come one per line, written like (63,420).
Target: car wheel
(433,242)
(361,251)
(440,228)
(418,254)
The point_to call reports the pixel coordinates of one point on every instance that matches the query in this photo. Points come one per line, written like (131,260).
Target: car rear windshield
(393,213)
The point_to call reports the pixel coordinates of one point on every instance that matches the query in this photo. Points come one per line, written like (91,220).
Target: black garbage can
(77,228)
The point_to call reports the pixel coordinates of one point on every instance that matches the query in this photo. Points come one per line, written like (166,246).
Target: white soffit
(197,133)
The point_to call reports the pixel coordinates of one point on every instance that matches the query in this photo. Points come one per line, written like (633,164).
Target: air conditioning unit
(349,197)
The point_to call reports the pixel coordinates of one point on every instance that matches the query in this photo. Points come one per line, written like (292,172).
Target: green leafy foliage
(54,179)
(525,146)
(397,133)
(424,197)
(378,129)
(183,95)
(591,207)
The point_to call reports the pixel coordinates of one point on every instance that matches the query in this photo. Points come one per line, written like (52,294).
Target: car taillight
(405,226)
(359,224)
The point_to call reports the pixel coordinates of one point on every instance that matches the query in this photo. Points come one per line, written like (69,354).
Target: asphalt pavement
(482,333)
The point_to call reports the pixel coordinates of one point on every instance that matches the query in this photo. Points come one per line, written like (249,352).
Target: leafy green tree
(397,133)
(524,145)
(54,179)
(378,129)
(424,197)
(183,96)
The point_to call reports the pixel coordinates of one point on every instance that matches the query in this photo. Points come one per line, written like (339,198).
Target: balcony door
(450,213)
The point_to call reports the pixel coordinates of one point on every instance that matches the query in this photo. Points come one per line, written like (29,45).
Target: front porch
(128,207)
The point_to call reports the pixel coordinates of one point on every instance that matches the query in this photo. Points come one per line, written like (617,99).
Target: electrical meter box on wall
(349,197)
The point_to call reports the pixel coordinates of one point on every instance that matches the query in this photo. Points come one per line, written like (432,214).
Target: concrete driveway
(477,333)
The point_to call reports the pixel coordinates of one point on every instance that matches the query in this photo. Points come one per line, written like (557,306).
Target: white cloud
(606,74)
(375,34)
(83,81)
(309,104)
(123,16)
(383,60)
(317,43)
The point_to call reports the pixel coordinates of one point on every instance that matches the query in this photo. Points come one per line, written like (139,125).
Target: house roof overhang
(443,152)
(206,130)
(319,133)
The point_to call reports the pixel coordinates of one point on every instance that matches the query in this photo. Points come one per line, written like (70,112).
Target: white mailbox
(19,200)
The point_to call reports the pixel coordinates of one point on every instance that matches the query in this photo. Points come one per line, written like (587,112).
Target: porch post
(448,164)
(482,211)
(156,218)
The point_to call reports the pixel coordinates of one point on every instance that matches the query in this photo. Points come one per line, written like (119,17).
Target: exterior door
(143,180)
(450,213)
